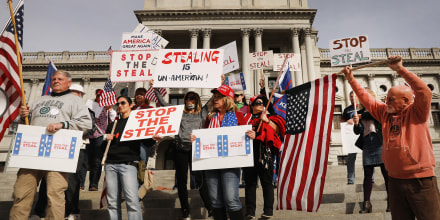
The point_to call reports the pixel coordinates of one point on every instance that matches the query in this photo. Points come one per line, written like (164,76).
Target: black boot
(367,207)
(236,215)
(219,213)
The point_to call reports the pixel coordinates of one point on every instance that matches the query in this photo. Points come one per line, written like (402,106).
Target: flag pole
(273,90)
(17,49)
(375,64)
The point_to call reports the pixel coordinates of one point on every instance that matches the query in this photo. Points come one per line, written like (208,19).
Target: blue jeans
(122,178)
(351,159)
(223,188)
(145,152)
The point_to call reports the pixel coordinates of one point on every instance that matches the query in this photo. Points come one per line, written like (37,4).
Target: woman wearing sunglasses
(192,118)
(121,166)
(266,145)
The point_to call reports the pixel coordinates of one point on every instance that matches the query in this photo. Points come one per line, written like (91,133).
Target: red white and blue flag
(108,97)
(9,73)
(280,100)
(152,97)
(47,88)
(304,157)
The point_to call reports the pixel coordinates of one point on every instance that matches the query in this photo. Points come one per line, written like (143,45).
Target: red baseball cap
(224,90)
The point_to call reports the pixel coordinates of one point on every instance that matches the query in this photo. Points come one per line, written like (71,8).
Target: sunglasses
(257,103)
(121,103)
(237,95)
(191,98)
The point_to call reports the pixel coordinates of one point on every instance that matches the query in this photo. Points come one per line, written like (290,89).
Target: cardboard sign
(293,59)
(142,38)
(349,50)
(220,148)
(35,148)
(348,139)
(189,68)
(261,60)
(230,57)
(145,123)
(133,66)
(236,82)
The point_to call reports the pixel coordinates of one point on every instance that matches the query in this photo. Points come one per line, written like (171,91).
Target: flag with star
(304,157)
(108,97)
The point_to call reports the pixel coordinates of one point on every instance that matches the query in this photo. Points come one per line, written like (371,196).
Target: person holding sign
(59,110)
(370,131)
(192,118)
(407,146)
(223,184)
(121,165)
(266,145)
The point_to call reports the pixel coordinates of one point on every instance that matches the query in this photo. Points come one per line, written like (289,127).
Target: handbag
(148,185)
(141,168)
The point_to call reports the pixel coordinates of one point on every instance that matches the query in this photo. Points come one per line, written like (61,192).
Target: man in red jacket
(407,146)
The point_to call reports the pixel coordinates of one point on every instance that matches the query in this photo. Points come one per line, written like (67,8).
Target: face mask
(190,107)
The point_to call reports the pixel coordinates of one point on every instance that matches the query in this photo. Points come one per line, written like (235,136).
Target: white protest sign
(230,57)
(348,139)
(142,38)
(294,60)
(236,82)
(220,148)
(349,50)
(35,148)
(189,68)
(145,123)
(261,60)
(133,66)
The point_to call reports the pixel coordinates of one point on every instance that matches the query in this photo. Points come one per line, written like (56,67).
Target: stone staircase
(340,201)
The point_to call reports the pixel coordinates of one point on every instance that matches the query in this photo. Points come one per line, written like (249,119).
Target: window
(271,83)
(435,111)
(176,100)
(275,49)
(337,117)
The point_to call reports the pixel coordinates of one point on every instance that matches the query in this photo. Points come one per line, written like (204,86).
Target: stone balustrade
(65,56)
(406,53)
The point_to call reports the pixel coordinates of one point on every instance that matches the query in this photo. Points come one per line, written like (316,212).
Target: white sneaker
(73,217)
(34,217)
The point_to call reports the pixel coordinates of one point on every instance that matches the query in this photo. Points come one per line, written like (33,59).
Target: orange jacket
(407,147)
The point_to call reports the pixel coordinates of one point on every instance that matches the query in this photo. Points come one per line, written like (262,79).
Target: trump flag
(303,164)
(279,101)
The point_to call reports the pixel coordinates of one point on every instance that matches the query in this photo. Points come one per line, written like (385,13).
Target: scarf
(230,119)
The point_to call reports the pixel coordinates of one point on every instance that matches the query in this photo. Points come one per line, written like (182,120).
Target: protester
(266,145)
(240,102)
(223,183)
(407,146)
(347,116)
(95,150)
(59,110)
(370,140)
(121,166)
(142,103)
(192,118)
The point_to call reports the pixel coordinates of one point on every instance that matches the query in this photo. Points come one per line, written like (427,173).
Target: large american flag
(9,74)
(152,97)
(303,164)
(108,97)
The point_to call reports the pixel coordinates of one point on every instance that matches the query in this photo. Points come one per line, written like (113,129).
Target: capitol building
(282,26)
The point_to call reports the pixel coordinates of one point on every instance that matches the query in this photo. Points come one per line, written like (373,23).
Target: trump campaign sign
(189,68)
(349,50)
(36,148)
(132,66)
(145,123)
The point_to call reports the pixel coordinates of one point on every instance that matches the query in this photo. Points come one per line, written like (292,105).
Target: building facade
(283,26)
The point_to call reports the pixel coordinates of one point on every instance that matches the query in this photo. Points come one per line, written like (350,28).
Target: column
(309,52)
(347,90)
(194,34)
(34,91)
(371,83)
(245,60)
(206,45)
(296,75)
(86,85)
(394,80)
(255,80)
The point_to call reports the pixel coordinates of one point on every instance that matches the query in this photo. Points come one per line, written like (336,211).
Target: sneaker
(265,216)
(34,217)
(250,217)
(73,217)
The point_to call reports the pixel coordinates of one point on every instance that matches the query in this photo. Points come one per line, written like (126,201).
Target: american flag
(108,97)
(152,97)
(9,74)
(47,88)
(303,164)
(103,202)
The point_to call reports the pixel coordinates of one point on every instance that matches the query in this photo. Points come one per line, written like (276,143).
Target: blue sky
(82,25)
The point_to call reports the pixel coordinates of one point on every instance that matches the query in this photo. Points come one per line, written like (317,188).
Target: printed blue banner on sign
(42,145)
(220,145)
(17,144)
(48,145)
(198,148)
(72,148)
(248,144)
(225,145)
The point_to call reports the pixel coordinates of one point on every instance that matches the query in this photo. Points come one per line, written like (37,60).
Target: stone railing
(66,57)
(406,53)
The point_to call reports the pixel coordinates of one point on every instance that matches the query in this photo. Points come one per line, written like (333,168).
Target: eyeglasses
(121,103)
(237,95)
(190,98)
(257,103)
